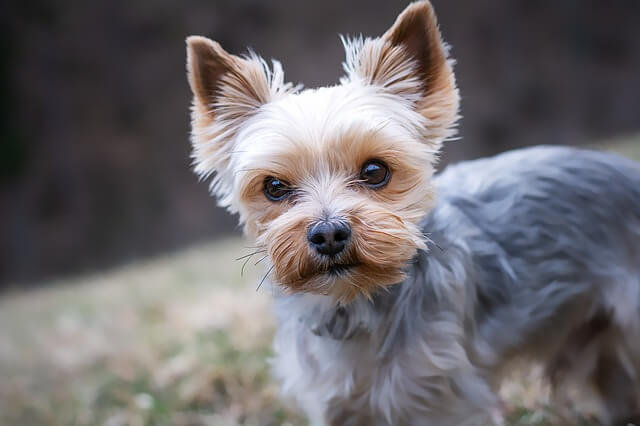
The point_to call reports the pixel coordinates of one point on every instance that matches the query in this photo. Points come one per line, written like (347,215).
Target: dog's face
(331,182)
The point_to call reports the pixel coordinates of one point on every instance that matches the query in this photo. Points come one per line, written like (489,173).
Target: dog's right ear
(227,90)
(217,77)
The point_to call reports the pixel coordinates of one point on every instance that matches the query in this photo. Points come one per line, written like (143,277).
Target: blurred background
(94,151)
(95,175)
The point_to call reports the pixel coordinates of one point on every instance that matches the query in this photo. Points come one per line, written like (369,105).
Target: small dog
(395,308)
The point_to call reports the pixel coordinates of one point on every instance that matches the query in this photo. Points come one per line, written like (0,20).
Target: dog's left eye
(275,189)
(375,174)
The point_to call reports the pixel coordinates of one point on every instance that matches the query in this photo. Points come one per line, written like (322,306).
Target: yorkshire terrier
(404,298)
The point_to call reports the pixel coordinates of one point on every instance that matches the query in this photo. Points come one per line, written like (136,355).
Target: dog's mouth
(339,269)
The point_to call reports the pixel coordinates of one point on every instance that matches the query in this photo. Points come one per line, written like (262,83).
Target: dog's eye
(375,174)
(275,189)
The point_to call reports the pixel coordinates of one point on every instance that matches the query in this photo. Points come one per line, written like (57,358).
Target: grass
(182,339)
(179,340)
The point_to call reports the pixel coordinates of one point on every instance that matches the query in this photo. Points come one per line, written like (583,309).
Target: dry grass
(181,340)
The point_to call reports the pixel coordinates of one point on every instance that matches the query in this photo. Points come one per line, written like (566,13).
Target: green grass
(180,340)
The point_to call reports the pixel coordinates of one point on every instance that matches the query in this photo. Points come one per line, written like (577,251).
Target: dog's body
(395,309)
(535,255)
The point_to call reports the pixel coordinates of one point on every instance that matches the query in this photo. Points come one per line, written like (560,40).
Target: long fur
(528,248)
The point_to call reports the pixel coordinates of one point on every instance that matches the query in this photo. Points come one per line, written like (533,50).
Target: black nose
(329,237)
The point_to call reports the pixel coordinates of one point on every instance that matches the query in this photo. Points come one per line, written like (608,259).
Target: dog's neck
(356,319)
(433,286)
(363,317)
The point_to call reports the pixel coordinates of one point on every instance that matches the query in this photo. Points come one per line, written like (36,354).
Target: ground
(179,340)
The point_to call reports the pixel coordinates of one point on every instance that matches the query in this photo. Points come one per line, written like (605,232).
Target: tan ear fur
(411,60)
(416,31)
(218,78)
(207,62)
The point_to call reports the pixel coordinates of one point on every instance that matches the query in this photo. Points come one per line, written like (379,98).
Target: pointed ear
(227,90)
(207,62)
(411,60)
(218,78)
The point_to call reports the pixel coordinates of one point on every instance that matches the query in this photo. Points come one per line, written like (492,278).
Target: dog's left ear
(411,61)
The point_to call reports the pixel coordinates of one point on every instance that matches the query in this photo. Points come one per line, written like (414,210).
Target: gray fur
(526,249)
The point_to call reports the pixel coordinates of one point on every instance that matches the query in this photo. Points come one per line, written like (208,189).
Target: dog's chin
(339,269)
(345,281)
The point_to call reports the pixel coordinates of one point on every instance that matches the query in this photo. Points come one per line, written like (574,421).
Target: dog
(404,297)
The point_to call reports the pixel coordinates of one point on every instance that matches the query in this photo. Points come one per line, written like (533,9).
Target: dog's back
(554,237)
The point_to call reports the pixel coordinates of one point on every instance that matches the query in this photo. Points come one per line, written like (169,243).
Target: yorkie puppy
(396,307)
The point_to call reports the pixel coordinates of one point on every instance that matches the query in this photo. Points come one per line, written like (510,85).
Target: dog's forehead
(318,120)
(330,107)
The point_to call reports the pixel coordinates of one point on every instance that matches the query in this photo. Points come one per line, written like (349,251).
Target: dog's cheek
(256,211)
(286,244)
(279,230)
(409,195)
(384,239)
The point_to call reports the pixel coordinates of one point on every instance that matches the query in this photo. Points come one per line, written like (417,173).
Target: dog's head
(331,182)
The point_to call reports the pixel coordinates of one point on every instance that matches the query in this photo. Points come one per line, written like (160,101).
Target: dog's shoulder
(545,179)
(539,212)
(525,168)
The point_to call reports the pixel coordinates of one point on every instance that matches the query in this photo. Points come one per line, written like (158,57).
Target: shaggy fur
(535,254)
(532,255)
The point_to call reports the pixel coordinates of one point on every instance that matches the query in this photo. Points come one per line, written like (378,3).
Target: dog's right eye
(275,189)
(375,174)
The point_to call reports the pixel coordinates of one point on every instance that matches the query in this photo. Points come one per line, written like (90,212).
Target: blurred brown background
(94,152)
